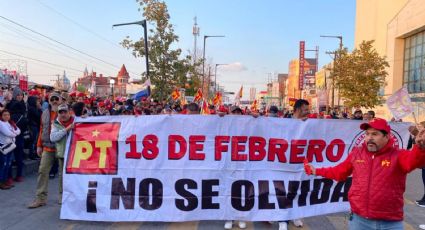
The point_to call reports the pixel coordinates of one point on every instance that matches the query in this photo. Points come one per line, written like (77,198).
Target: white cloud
(234,67)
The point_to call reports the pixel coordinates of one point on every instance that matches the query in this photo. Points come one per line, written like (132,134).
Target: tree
(81,88)
(167,68)
(360,75)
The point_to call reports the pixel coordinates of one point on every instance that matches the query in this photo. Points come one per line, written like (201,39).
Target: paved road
(15,215)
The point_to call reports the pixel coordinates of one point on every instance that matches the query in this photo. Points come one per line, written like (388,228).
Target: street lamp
(145,28)
(215,76)
(203,57)
(111,84)
(333,82)
(333,36)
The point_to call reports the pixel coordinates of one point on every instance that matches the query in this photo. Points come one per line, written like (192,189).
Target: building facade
(398,28)
(103,86)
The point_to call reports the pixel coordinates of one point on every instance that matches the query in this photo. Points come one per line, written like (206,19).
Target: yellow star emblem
(95,133)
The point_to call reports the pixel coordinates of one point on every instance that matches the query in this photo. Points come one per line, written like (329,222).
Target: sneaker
(9,182)
(4,186)
(283,226)
(37,204)
(228,224)
(422,226)
(298,223)
(242,224)
(19,179)
(52,176)
(421,203)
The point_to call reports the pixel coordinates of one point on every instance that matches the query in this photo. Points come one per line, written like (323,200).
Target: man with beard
(46,150)
(301,109)
(378,170)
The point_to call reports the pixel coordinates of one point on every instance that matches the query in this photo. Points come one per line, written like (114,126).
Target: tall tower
(122,80)
(195,32)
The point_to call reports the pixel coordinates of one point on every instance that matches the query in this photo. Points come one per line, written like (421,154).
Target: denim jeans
(19,156)
(360,223)
(5,162)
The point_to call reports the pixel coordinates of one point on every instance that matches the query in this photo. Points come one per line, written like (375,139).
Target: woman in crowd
(8,132)
(18,113)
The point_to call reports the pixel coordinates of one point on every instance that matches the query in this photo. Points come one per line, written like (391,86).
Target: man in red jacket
(378,171)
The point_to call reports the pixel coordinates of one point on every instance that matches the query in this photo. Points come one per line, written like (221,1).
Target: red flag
(198,96)
(94,149)
(175,94)
(218,99)
(204,108)
(254,106)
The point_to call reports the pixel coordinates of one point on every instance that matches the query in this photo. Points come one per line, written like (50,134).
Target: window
(414,63)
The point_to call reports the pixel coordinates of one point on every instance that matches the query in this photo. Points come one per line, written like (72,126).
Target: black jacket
(18,114)
(34,113)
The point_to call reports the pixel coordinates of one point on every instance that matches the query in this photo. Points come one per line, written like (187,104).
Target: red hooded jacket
(378,179)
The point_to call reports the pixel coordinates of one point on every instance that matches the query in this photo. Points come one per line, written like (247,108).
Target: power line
(34,59)
(78,24)
(45,44)
(61,43)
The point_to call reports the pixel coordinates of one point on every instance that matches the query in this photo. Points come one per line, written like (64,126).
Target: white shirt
(8,133)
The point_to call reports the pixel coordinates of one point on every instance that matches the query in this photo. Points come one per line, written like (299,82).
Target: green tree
(167,69)
(360,75)
(81,88)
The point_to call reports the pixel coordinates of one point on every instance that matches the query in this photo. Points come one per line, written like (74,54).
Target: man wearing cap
(46,150)
(378,170)
(60,130)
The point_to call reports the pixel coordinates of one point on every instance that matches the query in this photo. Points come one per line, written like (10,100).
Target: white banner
(183,168)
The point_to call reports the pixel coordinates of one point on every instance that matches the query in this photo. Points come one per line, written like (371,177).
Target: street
(15,215)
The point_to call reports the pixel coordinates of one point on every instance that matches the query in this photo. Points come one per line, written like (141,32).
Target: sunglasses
(63,111)
(54,99)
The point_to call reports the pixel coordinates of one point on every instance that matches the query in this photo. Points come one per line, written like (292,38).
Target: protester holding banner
(234,110)
(46,149)
(8,132)
(59,133)
(301,111)
(378,170)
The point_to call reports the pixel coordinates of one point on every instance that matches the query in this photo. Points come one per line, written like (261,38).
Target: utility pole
(333,80)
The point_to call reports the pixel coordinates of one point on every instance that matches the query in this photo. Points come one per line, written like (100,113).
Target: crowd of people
(41,124)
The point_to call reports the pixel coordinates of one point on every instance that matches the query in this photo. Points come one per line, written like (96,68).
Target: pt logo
(94,149)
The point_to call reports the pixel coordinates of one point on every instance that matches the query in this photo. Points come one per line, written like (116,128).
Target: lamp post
(203,57)
(145,28)
(111,84)
(215,76)
(336,56)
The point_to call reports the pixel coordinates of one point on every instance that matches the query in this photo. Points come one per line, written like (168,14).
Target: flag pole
(414,118)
